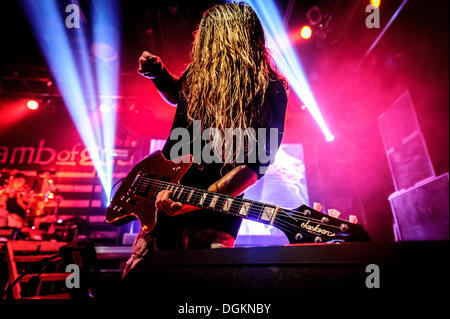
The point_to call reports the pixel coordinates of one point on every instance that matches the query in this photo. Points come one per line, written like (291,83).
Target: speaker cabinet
(422,212)
(404,144)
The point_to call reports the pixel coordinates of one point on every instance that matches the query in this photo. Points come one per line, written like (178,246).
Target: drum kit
(25,206)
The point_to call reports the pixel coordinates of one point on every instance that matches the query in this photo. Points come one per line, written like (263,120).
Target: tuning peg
(317,206)
(318,239)
(334,213)
(353,219)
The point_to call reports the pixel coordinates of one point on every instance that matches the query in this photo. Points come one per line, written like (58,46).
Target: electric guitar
(135,199)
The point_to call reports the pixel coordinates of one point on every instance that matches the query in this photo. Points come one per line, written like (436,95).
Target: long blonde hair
(230,70)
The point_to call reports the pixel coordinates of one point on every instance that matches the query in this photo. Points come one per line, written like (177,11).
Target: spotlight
(49,83)
(303,107)
(104,52)
(375,3)
(306,32)
(104,108)
(32,105)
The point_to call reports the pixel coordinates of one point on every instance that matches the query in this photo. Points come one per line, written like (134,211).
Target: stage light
(104,52)
(305,32)
(106,47)
(50,31)
(74,74)
(32,105)
(286,59)
(86,76)
(303,107)
(104,108)
(375,3)
(49,83)
(386,27)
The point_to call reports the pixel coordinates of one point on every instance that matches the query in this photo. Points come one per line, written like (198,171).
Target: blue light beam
(106,41)
(286,60)
(49,29)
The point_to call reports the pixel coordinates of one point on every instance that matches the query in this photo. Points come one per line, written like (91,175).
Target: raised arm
(152,67)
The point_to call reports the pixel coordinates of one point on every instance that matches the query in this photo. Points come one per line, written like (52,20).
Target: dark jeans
(191,238)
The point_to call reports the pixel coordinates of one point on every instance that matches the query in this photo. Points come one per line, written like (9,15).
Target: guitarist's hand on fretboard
(233,183)
(165,204)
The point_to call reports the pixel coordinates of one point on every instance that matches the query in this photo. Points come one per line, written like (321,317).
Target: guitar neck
(237,206)
(137,191)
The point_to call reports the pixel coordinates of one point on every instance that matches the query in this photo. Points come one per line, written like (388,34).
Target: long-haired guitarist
(229,84)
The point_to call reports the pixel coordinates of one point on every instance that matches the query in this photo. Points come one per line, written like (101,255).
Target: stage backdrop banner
(49,141)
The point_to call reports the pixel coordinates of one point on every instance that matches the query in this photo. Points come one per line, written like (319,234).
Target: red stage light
(32,105)
(305,32)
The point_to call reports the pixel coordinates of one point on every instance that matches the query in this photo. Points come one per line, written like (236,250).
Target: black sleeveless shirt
(202,175)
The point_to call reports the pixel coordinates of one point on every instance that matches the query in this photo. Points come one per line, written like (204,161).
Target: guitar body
(127,205)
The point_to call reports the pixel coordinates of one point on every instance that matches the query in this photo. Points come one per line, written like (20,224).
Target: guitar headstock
(306,225)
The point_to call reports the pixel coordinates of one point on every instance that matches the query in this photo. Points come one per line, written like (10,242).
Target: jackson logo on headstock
(316,230)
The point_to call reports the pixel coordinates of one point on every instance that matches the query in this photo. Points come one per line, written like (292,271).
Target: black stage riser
(408,269)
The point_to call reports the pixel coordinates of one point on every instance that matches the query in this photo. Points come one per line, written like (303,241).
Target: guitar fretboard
(244,208)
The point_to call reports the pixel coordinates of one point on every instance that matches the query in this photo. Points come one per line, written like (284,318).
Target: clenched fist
(150,65)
